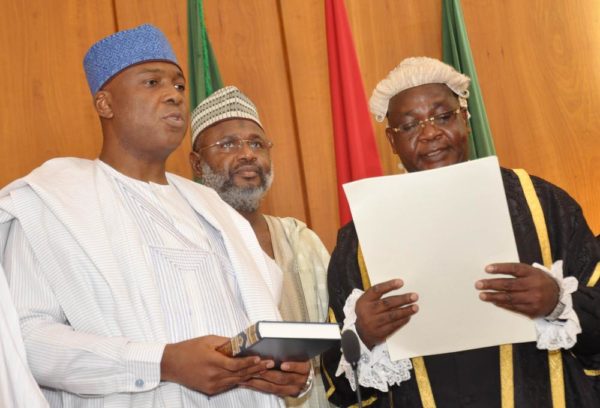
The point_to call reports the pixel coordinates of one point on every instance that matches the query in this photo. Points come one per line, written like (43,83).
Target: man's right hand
(196,364)
(377,317)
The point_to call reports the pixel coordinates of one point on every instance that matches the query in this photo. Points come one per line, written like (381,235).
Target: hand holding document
(437,230)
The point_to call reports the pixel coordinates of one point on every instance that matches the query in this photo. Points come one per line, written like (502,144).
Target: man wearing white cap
(425,104)
(231,153)
(126,278)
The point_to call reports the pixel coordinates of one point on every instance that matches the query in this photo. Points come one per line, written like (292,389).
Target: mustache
(247,167)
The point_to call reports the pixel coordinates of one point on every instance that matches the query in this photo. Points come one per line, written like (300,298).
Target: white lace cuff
(375,368)
(560,328)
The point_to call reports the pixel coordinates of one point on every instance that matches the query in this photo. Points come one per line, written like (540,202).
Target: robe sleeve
(343,276)
(572,241)
(583,261)
(17,385)
(60,357)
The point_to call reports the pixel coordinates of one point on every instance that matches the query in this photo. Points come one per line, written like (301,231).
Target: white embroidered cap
(226,103)
(416,71)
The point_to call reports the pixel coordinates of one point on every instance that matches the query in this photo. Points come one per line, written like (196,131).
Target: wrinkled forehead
(159,68)
(422,98)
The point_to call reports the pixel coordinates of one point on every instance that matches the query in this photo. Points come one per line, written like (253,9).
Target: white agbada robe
(303,259)
(104,272)
(17,386)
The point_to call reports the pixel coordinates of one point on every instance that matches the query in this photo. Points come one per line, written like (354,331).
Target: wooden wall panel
(306,46)
(172,20)
(539,70)
(248,42)
(385,32)
(47,109)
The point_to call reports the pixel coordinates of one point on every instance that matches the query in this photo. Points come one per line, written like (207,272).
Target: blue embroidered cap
(113,54)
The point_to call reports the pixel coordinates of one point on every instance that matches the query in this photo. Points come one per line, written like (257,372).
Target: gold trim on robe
(507,382)
(555,364)
(595,276)
(423,382)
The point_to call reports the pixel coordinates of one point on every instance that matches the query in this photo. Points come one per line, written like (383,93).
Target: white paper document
(437,230)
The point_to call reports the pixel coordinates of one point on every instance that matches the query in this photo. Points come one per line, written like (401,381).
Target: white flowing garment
(105,270)
(303,260)
(17,386)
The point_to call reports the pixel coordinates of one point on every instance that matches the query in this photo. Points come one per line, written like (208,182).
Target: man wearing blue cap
(126,278)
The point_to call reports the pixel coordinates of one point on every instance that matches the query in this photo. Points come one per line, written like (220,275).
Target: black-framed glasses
(236,144)
(414,128)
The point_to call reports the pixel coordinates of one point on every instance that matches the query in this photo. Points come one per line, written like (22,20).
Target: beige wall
(539,69)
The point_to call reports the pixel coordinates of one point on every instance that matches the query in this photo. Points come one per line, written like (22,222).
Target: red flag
(355,148)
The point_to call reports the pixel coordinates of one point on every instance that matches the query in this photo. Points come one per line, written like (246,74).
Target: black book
(283,341)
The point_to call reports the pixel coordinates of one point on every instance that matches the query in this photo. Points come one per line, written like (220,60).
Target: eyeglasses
(414,128)
(236,144)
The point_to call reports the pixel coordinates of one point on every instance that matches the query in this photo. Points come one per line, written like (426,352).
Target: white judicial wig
(416,71)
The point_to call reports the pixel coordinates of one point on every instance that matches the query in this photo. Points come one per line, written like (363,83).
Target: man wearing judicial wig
(425,104)
(125,277)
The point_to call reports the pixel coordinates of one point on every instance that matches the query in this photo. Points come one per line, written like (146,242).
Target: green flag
(457,52)
(204,72)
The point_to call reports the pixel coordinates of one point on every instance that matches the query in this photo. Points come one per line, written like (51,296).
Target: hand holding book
(197,365)
(291,379)
(283,341)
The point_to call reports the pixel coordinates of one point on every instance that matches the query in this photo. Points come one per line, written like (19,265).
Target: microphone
(351,351)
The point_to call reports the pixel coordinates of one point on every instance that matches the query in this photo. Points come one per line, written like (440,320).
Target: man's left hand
(289,381)
(530,291)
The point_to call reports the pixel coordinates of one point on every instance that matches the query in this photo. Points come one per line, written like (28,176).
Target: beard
(244,199)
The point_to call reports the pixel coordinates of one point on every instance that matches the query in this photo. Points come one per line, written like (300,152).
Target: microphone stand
(358,396)
(351,351)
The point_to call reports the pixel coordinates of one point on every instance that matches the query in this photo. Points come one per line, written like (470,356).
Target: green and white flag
(204,76)
(457,52)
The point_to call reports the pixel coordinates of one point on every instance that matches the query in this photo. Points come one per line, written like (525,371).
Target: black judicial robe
(472,378)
